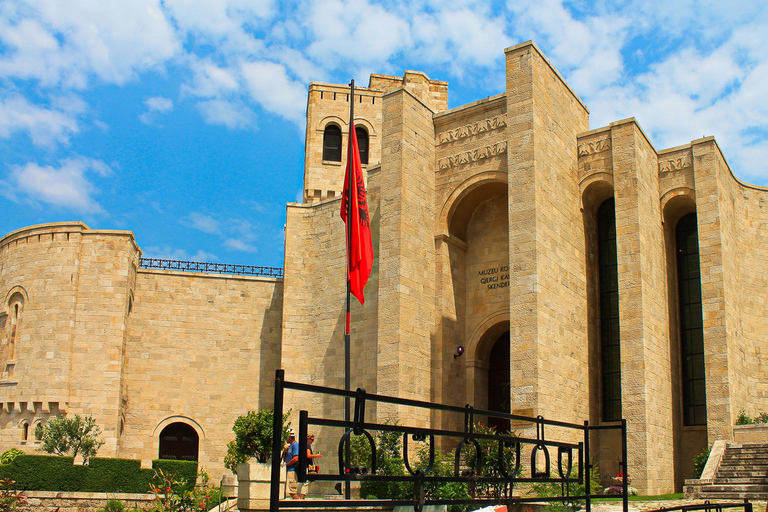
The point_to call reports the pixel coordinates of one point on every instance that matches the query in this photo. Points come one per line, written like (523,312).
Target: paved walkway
(643,506)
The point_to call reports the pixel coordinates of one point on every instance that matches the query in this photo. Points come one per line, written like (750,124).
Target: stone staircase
(741,474)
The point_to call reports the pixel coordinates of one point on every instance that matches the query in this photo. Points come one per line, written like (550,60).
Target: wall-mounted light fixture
(459,352)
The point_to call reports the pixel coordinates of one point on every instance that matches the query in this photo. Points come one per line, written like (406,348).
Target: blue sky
(183,120)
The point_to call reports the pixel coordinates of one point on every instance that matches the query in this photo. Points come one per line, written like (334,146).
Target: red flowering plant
(177,494)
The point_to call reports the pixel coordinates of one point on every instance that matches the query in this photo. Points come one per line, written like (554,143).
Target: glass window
(332,143)
(362,143)
(610,348)
(691,322)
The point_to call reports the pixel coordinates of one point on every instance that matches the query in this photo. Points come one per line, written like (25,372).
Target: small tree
(253,438)
(70,436)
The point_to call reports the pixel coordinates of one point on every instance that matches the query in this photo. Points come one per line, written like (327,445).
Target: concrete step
(717,488)
(741,456)
(741,473)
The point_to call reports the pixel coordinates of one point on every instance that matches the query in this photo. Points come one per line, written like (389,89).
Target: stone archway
(499,387)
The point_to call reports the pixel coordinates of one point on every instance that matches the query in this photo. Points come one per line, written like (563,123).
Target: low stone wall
(751,434)
(49,501)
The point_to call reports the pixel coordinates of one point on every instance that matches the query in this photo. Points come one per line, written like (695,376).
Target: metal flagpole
(348,199)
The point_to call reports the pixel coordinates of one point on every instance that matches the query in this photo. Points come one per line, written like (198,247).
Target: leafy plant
(761,418)
(700,462)
(10,499)
(253,438)
(70,436)
(175,493)
(491,467)
(389,461)
(550,490)
(8,455)
(743,419)
(114,506)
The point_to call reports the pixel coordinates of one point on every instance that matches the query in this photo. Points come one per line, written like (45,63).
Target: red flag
(359,244)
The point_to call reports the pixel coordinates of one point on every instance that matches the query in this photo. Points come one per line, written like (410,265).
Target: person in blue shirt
(291,461)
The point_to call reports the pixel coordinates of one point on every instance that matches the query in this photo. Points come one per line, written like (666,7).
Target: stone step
(736,488)
(761,496)
(761,456)
(740,480)
(729,475)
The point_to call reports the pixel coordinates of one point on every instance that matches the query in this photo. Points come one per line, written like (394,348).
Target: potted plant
(249,455)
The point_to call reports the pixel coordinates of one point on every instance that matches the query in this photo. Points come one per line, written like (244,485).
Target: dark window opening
(362,143)
(610,347)
(499,383)
(691,322)
(178,441)
(332,143)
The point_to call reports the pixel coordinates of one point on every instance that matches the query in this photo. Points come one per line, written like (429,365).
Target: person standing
(291,461)
(312,467)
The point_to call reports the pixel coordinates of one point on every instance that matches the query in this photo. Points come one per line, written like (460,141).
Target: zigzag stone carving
(675,164)
(486,125)
(475,155)
(597,146)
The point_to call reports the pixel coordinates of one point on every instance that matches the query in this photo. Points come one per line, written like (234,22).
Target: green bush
(8,455)
(53,473)
(253,438)
(700,462)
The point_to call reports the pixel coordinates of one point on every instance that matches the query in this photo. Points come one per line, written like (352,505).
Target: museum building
(586,276)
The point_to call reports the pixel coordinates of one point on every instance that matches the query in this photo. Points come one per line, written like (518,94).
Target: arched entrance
(499,382)
(179,441)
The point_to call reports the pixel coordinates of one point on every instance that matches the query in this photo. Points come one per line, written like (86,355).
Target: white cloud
(225,113)
(43,125)
(67,43)
(155,105)
(271,87)
(66,186)
(201,222)
(166,252)
(240,245)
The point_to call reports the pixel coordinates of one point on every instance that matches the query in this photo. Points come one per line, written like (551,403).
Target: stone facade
(485,229)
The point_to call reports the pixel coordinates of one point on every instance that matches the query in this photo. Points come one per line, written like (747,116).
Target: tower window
(332,143)
(362,143)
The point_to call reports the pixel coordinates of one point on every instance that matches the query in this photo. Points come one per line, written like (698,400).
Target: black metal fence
(533,457)
(213,268)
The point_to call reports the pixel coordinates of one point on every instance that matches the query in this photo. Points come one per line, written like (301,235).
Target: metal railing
(707,507)
(213,268)
(573,464)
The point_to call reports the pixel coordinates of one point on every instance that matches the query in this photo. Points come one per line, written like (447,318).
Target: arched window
(15,309)
(691,322)
(178,441)
(24,430)
(362,143)
(332,143)
(610,347)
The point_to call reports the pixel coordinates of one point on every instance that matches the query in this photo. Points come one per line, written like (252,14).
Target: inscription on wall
(486,125)
(494,277)
(472,156)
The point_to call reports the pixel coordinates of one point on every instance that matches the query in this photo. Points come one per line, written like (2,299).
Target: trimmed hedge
(53,473)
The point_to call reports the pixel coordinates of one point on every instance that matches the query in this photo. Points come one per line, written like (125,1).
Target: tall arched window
(691,322)
(15,309)
(610,347)
(24,430)
(332,143)
(362,143)
(178,441)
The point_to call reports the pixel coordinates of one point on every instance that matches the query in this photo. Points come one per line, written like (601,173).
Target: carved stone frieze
(468,157)
(677,163)
(595,146)
(486,125)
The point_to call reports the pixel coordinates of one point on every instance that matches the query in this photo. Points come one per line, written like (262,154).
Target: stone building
(586,274)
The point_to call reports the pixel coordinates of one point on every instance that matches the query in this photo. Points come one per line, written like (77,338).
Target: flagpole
(348,199)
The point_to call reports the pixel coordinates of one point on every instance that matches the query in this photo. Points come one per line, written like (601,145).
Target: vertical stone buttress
(406,242)
(548,327)
(643,314)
